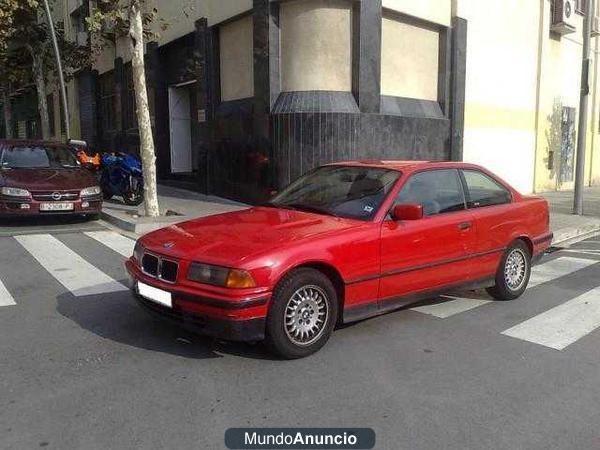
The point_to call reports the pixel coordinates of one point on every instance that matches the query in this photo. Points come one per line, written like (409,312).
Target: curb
(564,237)
(139,228)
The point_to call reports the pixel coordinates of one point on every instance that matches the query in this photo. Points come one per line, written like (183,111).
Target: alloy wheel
(515,269)
(306,314)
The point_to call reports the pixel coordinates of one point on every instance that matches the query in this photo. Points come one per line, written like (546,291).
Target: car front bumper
(232,320)
(10,207)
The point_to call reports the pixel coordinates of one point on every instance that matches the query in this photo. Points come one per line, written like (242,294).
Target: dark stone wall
(87,107)
(248,147)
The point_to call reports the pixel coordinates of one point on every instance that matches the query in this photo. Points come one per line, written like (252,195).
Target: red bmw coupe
(342,243)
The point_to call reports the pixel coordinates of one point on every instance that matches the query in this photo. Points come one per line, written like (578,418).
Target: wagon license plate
(59,206)
(155,294)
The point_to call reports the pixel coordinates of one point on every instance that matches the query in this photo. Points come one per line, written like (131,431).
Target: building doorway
(180,127)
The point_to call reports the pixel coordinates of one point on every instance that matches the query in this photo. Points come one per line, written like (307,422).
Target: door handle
(465,225)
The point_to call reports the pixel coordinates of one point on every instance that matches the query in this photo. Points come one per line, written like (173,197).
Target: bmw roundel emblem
(169,244)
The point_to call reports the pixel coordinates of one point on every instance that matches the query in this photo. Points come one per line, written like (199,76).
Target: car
(344,242)
(45,178)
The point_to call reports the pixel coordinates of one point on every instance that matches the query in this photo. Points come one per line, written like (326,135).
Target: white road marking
(5,298)
(115,241)
(559,327)
(557,268)
(540,274)
(449,308)
(69,269)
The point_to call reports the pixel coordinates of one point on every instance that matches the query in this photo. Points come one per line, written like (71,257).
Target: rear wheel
(133,197)
(513,272)
(302,315)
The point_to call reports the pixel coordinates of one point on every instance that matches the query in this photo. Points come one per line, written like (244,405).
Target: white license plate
(63,206)
(155,294)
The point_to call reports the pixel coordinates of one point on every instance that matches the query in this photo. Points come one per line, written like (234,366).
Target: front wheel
(134,196)
(302,315)
(513,273)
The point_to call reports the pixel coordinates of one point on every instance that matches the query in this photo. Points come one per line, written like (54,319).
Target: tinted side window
(484,191)
(438,191)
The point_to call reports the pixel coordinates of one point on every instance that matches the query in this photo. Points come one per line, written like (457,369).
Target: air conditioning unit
(563,17)
(595,27)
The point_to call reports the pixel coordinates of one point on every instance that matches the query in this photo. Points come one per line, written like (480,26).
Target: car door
(431,252)
(494,216)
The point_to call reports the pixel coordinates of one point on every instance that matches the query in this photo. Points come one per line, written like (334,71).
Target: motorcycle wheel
(133,197)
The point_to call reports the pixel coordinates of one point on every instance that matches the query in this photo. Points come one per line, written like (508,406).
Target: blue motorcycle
(122,176)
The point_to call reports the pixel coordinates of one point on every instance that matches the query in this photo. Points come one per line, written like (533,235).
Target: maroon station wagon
(40,178)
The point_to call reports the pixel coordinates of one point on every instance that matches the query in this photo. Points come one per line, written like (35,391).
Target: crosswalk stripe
(454,305)
(5,298)
(540,274)
(69,269)
(557,268)
(115,241)
(562,325)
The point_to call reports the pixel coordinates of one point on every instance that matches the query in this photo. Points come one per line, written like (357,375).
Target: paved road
(83,367)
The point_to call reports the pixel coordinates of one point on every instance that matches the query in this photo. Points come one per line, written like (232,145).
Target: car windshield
(343,191)
(37,157)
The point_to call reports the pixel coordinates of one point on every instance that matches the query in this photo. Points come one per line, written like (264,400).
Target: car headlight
(89,191)
(15,192)
(138,251)
(220,276)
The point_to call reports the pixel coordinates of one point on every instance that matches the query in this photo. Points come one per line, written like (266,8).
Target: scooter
(122,175)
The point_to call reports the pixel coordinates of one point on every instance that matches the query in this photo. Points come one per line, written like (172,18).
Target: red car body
(46,186)
(376,265)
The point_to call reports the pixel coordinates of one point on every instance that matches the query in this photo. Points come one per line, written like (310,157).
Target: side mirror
(409,211)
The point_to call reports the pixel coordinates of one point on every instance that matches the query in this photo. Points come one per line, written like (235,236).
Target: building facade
(246,95)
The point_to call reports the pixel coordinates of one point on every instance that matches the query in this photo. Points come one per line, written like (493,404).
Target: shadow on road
(117,317)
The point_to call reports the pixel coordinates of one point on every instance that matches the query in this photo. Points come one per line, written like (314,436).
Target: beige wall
(409,60)
(436,11)
(560,74)
(236,52)
(501,87)
(316,50)
(179,18)
(181,15)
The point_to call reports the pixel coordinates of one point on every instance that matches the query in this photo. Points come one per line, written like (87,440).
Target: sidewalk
(567,227)
(178,204)
(185,205)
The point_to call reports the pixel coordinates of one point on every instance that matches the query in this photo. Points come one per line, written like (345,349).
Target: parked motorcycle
(122,176)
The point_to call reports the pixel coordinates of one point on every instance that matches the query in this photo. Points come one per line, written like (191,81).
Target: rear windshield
(37,157)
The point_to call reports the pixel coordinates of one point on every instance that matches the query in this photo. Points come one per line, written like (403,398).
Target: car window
(438,191)
(345,191)
(37,157)
(484,191)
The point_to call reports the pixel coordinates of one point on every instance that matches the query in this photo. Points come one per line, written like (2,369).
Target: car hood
(231,238)
(47,179)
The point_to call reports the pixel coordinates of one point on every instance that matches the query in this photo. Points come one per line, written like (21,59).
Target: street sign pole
(583,112)
(61,78)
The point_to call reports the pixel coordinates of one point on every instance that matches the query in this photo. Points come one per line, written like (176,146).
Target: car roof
(405,166)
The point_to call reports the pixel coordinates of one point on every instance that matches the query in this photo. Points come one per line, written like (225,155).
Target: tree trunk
(136,41)
(40,86)
(7,109)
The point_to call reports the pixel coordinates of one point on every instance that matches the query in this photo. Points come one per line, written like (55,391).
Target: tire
(305,294)
(107,195)
(133,198)
(513,272)
(92,217)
